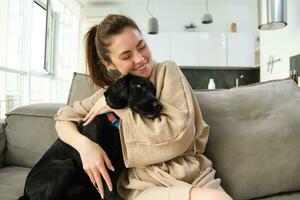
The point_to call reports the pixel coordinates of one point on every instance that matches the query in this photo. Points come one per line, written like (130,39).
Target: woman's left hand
(99,108)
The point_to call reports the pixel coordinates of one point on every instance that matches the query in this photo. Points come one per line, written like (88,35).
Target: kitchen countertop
(218,67)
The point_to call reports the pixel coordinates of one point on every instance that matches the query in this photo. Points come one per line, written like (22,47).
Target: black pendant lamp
(207,18)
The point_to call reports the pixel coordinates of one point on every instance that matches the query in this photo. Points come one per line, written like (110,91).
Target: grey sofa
(254,139)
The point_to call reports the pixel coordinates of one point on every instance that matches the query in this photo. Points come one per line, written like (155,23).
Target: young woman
(164,157)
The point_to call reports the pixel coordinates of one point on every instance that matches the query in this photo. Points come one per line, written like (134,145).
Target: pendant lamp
(207,18)
(152,22)
(272,14)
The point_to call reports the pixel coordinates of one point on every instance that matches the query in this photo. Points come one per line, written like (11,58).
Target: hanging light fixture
(152,22)
(272,14)
(207,18)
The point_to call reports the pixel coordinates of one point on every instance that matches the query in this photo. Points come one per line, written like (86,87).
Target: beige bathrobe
(166,151)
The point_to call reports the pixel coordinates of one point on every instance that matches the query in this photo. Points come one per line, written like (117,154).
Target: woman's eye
(126,57)
(142,47)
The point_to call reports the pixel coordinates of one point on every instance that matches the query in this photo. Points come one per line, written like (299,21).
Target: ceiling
(86,3)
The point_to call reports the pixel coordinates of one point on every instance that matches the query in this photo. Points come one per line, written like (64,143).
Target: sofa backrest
(254,140)
(82,86)
(29,132)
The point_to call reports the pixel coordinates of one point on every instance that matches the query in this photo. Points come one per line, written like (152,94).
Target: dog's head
(136,92)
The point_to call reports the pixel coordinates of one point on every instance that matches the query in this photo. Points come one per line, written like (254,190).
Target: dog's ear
(116,95)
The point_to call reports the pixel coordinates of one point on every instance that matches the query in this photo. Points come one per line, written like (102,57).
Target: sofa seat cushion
(30,130)
(289,196)
(12,182)
(254,137)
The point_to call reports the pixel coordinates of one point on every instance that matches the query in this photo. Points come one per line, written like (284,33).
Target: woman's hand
(99,108)
(95,163)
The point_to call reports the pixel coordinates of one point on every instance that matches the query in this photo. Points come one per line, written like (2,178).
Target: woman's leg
(208,194)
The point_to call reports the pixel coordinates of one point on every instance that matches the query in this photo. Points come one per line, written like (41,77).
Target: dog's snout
(157,105)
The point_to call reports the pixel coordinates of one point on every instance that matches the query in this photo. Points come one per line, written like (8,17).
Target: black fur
(59,175)
(136,92)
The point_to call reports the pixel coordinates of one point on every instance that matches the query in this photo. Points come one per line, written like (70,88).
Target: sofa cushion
(254,140)
(2,143)
(285,196)
(81,87)
(12,182)
(30,131)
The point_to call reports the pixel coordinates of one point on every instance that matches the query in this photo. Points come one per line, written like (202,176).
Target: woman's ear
(108,65)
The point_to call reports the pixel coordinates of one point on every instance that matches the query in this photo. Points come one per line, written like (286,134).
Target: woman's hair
(96,47)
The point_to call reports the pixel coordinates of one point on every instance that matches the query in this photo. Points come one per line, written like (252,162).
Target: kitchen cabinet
(215,49)
(212,49)
(240,50)
(184,48)
(159,45)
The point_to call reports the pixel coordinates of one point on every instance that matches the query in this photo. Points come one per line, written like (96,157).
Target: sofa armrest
(2,143)
(29,130)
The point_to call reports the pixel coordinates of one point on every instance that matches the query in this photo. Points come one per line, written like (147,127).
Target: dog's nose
(157,105)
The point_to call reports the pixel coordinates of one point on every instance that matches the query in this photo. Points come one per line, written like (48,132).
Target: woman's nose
(138,58)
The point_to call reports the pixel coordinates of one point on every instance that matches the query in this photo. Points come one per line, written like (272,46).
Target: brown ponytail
(97,69)
(96,43)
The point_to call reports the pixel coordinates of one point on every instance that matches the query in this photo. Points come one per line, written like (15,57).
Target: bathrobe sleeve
(77,111)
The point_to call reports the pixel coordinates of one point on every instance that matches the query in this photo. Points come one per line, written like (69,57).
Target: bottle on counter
(211,84)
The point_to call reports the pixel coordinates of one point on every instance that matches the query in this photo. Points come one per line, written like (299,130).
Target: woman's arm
(68,132)
(94,159)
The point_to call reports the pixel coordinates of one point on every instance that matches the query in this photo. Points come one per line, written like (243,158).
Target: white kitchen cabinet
(215,49)
(240,50)
(184,48)
(159,45)
(212,49)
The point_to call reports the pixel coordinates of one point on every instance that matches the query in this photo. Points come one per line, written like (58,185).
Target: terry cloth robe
(166,151)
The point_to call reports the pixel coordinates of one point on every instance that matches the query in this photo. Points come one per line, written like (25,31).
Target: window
(38,36)
(23,78)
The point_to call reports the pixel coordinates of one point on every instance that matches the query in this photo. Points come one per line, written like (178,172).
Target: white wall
(173,16)
(74,6)
(282,44)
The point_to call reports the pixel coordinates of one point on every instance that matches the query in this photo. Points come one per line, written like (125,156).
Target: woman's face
(130,54)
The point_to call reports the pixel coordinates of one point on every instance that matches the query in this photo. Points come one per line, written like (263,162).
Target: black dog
(59,175)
